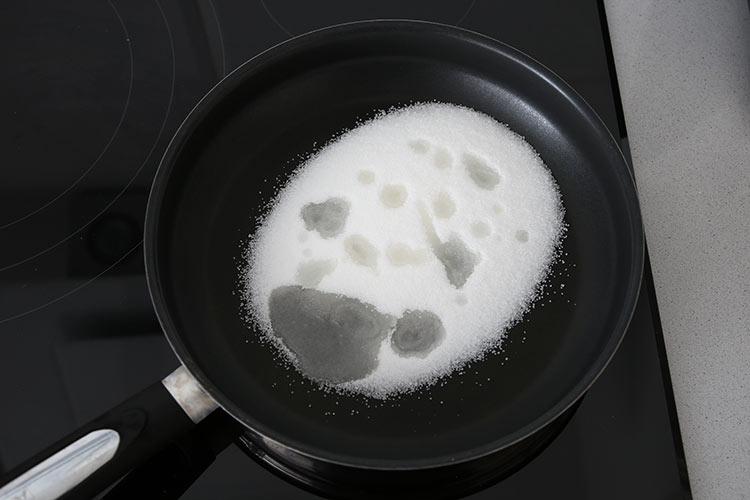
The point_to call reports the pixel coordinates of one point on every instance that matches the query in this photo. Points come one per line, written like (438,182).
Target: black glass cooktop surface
(91,95)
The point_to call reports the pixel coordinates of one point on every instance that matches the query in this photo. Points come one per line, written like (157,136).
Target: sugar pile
(404,249)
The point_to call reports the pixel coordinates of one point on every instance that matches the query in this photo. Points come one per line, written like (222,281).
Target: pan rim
(224,87)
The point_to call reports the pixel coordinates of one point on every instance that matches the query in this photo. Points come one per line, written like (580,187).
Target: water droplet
(482,175)
(361,251)
(443,158)
(334,337)
(443,206)
(480,229)
(401,254)
(312,272)
(393,195)
(522,235)
(417,334)
(419,146)
(457,259)
(327,218)
(366,177)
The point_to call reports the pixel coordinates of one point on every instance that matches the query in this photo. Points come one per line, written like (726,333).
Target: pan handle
(96,455)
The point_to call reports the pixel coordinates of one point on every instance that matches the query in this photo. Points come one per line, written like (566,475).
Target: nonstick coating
(250,132)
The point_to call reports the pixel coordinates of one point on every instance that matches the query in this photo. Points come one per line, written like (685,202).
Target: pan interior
(250,133)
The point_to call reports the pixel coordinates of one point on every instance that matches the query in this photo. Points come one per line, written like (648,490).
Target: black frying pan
(220,171)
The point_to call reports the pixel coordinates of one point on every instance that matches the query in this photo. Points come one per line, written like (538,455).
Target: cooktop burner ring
(106,145)
(79,231)
(391,10)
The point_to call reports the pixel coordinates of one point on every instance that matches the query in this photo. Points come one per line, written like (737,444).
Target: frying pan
(220,171)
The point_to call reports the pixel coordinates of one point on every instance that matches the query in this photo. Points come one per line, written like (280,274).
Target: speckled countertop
(684,75)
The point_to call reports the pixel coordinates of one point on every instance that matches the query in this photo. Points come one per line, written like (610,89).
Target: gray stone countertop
(683,69)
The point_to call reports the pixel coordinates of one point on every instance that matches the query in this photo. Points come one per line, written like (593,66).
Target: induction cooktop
(93,92)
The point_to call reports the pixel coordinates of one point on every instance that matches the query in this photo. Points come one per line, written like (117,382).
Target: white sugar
(444,210)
